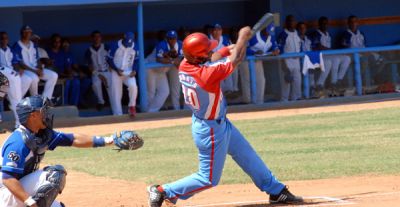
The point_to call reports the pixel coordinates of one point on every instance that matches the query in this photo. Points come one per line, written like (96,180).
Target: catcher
(23,184)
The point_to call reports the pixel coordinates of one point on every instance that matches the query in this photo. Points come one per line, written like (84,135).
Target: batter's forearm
(239,51)
(15,187)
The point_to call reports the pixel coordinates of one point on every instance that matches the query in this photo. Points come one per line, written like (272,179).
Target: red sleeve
(214,73)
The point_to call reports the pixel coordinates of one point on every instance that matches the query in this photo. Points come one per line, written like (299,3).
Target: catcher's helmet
(196,48)
(4,85)
(31,104)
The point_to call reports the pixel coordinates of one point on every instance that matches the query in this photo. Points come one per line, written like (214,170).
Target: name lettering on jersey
(13,156)
(187,80)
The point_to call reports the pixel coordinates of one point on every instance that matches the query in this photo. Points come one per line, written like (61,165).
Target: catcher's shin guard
(55,182)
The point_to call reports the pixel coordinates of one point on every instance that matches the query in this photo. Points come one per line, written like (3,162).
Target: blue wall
(306,10)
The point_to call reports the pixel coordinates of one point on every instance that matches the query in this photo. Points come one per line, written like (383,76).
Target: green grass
(295,148)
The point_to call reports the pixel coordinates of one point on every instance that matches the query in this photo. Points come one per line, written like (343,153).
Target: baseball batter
(96,58)
(15,92)
(22,183)
(169,51)
(26,60)
(122,58)
(201,74)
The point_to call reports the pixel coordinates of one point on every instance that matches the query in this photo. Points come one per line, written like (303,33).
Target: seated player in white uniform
(340,63)
(169,51)
(354,38)
(122,58)
(290,42)
(317,87)
(230,84)
(15,92)
(26,60)
(157,81)
(4,87)
(262,43)
(96,58)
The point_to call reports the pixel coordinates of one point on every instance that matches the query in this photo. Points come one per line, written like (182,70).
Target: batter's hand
(103,80)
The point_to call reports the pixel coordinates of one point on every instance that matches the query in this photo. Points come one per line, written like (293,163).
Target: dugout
(75,19)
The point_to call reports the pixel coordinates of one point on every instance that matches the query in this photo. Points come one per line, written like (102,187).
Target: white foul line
(329,199)
(333,201)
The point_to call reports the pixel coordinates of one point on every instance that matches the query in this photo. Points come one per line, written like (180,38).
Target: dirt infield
(86,190)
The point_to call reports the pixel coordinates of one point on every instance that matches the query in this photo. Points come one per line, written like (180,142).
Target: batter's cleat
(132,111)
(156,196)
(285,197)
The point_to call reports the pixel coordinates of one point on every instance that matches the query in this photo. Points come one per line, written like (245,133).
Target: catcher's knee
(55,183)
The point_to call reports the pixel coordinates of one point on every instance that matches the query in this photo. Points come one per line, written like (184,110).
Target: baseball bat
(264,21)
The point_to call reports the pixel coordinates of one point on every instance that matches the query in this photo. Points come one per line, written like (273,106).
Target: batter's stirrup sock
(285,197)
(156,195)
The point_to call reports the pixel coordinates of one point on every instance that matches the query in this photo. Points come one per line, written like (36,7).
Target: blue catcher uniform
(22,153)
(214,135)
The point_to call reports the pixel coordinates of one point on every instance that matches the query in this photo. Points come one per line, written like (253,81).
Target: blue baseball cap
(217,26)
(129,36)
(172,34)
(26,28)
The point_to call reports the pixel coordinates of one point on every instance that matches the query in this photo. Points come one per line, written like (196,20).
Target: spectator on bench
(26,59)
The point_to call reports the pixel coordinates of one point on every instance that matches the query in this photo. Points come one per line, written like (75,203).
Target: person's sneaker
(132,111)
(156,196)
(285,197)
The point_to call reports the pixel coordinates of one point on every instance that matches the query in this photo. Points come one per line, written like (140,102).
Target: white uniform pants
(291,90)
(324,74)
(50,78)
(116,90)
(30,183)
(97,83)
(157,88)
(246,83)
(340,64)
(14,94)
(231,82)
(174,87)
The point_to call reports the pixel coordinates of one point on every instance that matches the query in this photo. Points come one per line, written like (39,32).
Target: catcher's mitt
(127,140)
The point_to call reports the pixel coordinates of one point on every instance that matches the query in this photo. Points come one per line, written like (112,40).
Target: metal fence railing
(306,85)
(357,66)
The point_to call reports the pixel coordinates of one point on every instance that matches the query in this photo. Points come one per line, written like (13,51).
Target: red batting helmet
(196,48)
